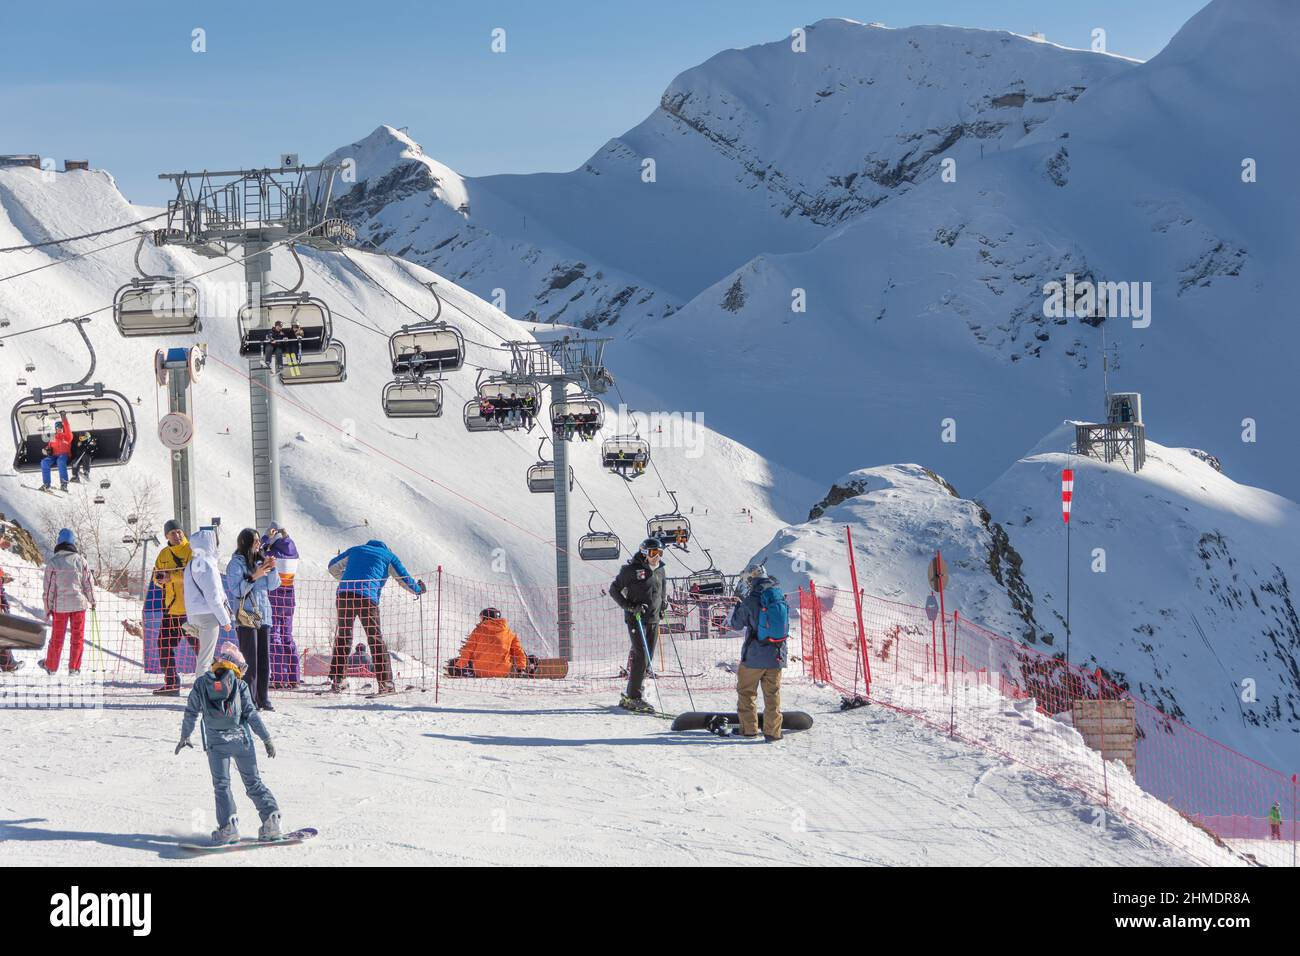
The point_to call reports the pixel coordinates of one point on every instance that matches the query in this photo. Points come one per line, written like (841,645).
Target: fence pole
(437,673)
(857,600)
(943,615)
(952,714)
(803,636)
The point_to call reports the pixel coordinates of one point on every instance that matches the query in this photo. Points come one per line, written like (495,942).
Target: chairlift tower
(255,209)
(177,369)
(560,363)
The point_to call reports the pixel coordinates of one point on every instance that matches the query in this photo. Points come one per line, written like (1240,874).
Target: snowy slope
(932,307)
(768,148)
(436,493)
(1194,597)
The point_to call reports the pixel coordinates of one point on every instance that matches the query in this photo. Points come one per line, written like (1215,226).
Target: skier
(83,453)
(226,705)
(1275,821)
(205,598)
(169,569)
(8,663)
(362,572)
(765,619)
(56,452)
(69,589)
(249,577)
(284,652)
(491,650)
(639,590)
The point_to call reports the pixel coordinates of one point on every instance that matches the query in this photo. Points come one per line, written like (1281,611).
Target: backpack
(773,617)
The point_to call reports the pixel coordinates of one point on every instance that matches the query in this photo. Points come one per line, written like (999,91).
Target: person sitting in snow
(224,701)
(491,650)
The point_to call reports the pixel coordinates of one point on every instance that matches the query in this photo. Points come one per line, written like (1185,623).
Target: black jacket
(637,583)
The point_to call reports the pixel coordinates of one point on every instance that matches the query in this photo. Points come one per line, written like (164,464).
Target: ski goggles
(654,552)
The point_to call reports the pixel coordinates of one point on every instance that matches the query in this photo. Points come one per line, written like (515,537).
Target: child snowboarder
(224,701)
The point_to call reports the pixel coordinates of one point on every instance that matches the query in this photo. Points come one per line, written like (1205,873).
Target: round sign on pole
(175,430)
(937,572)
(931,608)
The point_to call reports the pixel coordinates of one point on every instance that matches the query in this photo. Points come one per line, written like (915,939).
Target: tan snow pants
(748,680)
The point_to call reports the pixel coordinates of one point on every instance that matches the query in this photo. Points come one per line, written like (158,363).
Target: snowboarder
(169,569)
(226,705)
(765,619)
(273,351)
(1275,821)
(83,453)
(639,590)
(284,652)
(491,650)
(249,578)
(57,452)
(68,590)
(205,598)
(362,572)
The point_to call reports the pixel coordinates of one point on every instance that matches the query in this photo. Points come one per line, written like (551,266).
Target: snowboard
(699,720)
(17,632)
(250,843)
(548,668)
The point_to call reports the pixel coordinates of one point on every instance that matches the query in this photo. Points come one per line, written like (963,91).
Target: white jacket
(204,592)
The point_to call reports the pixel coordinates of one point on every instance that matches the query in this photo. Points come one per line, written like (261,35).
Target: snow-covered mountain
(764,150)
(932,310)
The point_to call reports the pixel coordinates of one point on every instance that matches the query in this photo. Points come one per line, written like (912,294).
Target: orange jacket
(61,443)
(492,647)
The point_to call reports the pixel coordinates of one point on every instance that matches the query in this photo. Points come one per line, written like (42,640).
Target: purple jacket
(285,553)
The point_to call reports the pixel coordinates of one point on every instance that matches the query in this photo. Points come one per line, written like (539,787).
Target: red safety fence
(993,691)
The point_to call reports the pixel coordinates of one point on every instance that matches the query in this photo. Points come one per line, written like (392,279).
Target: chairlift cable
(88,235)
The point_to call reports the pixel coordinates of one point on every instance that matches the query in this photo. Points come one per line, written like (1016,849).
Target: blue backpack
(773,616)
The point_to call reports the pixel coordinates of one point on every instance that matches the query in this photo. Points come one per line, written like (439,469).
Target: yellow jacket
(171,561)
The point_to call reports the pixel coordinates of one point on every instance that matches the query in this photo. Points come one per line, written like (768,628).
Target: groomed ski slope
(486,779)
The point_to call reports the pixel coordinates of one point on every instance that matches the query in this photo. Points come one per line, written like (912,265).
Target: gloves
(270,748)
(642,609)
(185,742)
(424,588)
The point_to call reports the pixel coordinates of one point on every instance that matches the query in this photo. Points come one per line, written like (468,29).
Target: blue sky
(117,82)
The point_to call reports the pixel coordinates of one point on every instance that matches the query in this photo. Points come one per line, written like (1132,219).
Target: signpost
(1067,499)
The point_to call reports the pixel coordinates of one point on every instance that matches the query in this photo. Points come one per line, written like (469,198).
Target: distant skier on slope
(491,650)
(765,619)
(639,589)
(224,701)
(362,572)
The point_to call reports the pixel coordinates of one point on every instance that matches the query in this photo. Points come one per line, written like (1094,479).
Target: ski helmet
(490,614)
(756,571)
(228,657)
(651,544)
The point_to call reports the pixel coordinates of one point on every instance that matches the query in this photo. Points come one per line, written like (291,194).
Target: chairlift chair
(541,478)
(576,413)
(286,307)
(598,545)
(514,403)
(672,528)
(412,398)
(707,583)
(157,305)
(106,414)
(625,455)
(331,366)
(442,349)
(474,419)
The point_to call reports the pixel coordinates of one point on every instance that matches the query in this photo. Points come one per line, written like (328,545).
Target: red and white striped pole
(1067,498)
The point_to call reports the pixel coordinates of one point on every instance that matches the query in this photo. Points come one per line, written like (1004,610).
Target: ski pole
(645,649)
(672,640)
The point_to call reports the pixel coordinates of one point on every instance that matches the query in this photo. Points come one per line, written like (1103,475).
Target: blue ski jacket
(365,569)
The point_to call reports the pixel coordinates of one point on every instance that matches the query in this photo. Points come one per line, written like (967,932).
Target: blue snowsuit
(226,706)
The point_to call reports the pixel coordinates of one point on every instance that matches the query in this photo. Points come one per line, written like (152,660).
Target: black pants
(351,606)
(169,637)
(255,645)
(636,669)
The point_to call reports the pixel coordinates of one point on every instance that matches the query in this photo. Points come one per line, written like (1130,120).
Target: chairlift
(311,313)
(577,415)
(541,476)
(672,528)
(132,519)
(331,366)
(21,382)
(413,398)
(707,583)
(475,421)
(418,350)
(30,366)
(598,545)
(157,305)
(106,414)
(99,499)
(625,455)
(510,403)
(105,484)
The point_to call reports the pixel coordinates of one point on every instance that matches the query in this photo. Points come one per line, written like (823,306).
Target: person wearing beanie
(69,589)
(249,578)
(230,719)
(169,574)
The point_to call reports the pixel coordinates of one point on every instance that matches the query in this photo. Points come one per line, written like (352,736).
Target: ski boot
(63,487)
(636,705)
(227,834)
(43,666)
(385,687)
(338,686)
(270,828)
